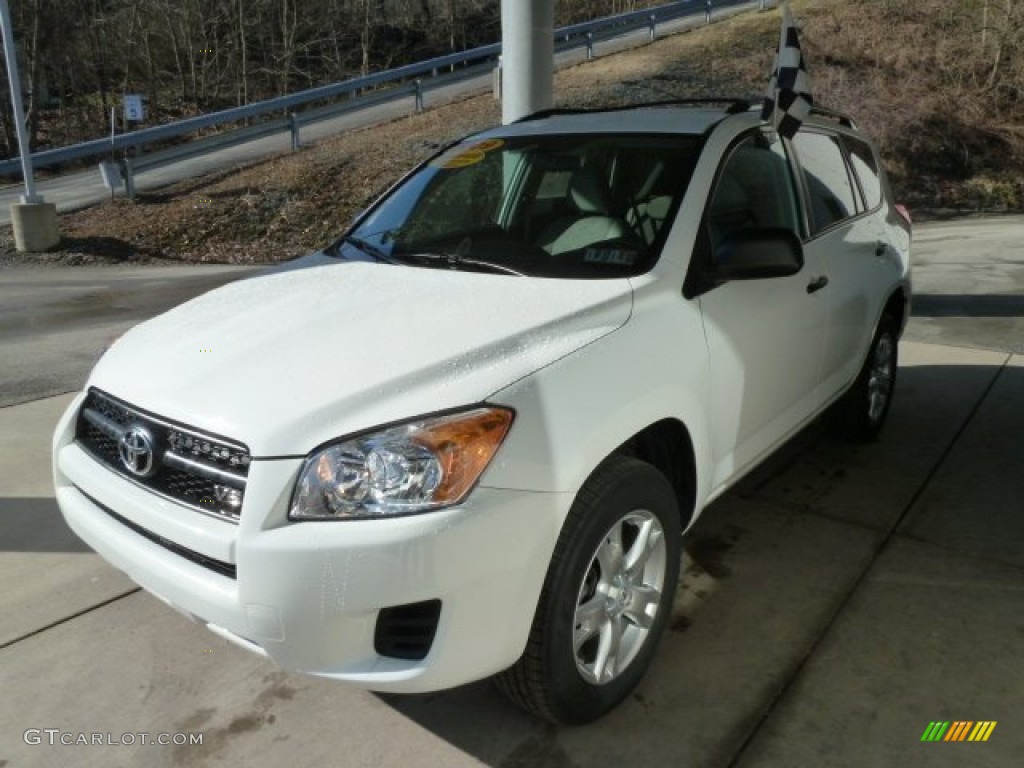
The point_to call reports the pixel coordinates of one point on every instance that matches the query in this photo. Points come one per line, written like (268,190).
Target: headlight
(414,467)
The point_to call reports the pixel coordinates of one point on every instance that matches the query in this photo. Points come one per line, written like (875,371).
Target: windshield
(587,206)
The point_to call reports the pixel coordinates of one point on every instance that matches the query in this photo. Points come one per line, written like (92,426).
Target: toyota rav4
(466,439)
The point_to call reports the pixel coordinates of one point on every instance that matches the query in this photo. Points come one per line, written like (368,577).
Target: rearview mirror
(757,254)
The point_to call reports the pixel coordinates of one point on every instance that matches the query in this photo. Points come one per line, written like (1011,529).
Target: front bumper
(308,594)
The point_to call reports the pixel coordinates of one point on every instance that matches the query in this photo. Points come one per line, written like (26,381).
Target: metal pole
(528,57)
(417,89)
(129,179)
(293,125)
(14,80)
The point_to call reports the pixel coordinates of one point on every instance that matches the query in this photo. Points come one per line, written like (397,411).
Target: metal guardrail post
(129,178)
(590,45)
(654,26)
(417,90)
(293,125)
(707,12)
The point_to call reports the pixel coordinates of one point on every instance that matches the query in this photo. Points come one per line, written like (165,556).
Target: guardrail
(404,82)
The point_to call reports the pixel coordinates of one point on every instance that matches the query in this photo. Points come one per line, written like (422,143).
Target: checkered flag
(789,98)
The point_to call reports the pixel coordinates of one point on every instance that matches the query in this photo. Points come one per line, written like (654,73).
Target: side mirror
(757,254)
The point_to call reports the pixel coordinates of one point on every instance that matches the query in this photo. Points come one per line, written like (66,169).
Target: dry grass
(901,68)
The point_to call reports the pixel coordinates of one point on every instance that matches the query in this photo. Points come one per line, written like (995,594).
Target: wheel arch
(897,306)
(667,446)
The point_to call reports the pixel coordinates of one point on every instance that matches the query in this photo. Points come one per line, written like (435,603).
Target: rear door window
(829,187)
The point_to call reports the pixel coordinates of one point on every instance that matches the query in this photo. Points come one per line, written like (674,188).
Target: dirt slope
(889,64)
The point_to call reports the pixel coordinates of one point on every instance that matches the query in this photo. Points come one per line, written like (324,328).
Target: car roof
(694,117)
(641,119)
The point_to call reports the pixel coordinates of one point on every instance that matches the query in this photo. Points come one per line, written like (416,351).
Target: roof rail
(734,105)
(843,119)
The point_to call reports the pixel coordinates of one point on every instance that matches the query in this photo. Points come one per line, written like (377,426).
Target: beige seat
(589,195)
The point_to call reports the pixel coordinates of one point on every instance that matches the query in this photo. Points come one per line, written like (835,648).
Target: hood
(286,361)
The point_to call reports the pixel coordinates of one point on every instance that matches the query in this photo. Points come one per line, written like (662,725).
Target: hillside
(944,105)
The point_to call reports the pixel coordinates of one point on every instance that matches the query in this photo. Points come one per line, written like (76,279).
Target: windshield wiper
(368,248)
(455,261)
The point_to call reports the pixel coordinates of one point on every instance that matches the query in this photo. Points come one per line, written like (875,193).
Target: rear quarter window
(865,166)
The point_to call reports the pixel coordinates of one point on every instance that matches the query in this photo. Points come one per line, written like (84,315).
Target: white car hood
(287,361)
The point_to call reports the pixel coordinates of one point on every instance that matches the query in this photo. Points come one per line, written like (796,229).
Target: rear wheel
(607,596)
(861,412)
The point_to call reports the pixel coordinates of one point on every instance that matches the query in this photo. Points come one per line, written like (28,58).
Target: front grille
(202,471)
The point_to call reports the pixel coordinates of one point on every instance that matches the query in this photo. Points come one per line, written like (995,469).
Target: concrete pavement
(832,605)
(969,283)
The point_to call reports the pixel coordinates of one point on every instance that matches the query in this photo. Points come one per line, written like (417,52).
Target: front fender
(571,415)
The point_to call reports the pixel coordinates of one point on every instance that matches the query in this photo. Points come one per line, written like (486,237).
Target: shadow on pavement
(968,305)
(35,525)
(709,686)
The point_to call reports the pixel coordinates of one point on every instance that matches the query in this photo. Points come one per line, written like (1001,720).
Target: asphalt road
(55,322)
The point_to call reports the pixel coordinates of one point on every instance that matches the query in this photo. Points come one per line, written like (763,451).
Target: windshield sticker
(465,158)
(616,256)
(490,145)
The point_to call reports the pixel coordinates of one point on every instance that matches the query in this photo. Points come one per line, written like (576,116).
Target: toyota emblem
(136,451)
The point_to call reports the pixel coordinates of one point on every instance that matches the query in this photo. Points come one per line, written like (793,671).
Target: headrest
(589,192)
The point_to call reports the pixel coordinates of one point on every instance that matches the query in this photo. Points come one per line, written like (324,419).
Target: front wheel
(860,413)
(606,599)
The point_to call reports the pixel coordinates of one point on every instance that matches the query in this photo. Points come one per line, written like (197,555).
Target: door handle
(817,284)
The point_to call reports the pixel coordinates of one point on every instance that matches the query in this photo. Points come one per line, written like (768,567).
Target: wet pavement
(55,322)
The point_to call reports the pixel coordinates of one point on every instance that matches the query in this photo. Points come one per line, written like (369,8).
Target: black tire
(860,413)
(556,680)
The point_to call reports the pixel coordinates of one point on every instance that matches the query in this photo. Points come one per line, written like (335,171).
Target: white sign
(133,109)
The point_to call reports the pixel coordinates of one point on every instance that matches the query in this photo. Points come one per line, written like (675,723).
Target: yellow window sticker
(462,159)
(489,145)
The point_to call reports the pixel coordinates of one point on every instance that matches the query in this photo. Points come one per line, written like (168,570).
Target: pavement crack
(66,619)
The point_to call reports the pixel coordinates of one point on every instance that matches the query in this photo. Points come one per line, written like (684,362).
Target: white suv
(466,439)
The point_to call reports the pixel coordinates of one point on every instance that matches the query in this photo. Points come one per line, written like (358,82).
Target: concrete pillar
(35,226)
(527,57)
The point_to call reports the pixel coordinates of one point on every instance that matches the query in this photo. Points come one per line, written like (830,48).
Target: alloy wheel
(619,597)
(880,377)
